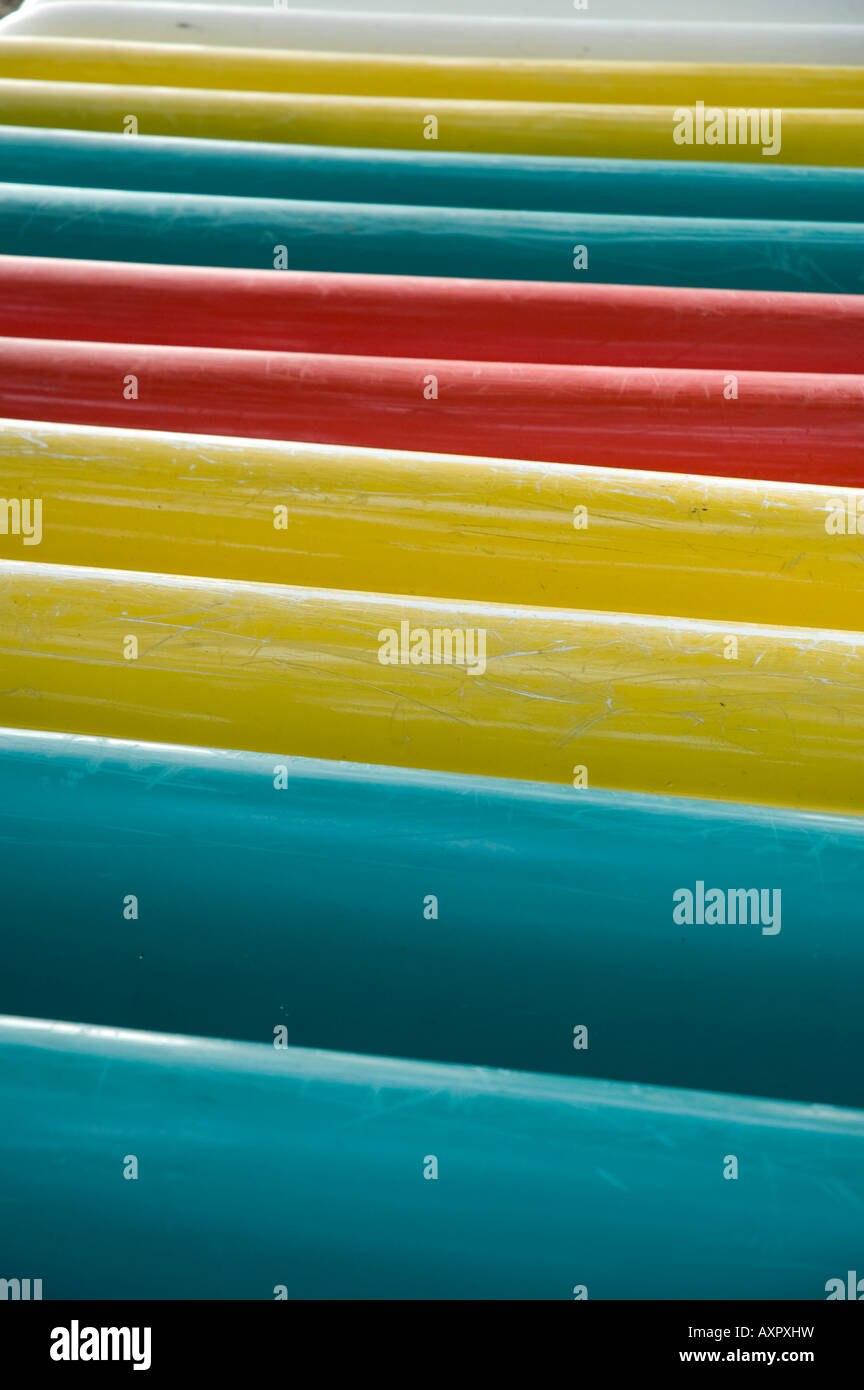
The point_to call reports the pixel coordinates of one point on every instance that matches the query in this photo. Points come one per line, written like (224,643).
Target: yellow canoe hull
(393,75)
(545,535)
(814,137)
(732,712)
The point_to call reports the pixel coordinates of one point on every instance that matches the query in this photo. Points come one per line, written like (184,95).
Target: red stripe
(786,426)
(406,316)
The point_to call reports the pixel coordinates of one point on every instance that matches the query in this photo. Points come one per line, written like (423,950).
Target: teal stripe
(259,1168)
(306,906)
(320,173)
(188,229)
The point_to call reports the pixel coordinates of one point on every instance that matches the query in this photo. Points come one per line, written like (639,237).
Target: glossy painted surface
(458,528)
(88,159)
(468,35)
(350,74)
(261,1168)
(415,316)
(276,892)
(645,704)
(507,127)
(536,931)
(249,232)
(792,427)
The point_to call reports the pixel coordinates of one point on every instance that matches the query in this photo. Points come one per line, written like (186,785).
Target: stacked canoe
(431,649)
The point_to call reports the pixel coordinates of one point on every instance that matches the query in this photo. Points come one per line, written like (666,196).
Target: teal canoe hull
(657,188)
(313,908)
(171,1168)
(261,233)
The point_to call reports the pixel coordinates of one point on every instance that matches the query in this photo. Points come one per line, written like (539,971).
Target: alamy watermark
(728,906)
(76,1343)
(22,516)
(436,646)
(850,1287)
(711,125)
(845,515)
(21,1290)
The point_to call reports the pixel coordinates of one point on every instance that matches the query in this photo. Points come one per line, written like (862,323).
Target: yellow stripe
(648,704)
(824,137)
(660,84)
(430,525)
